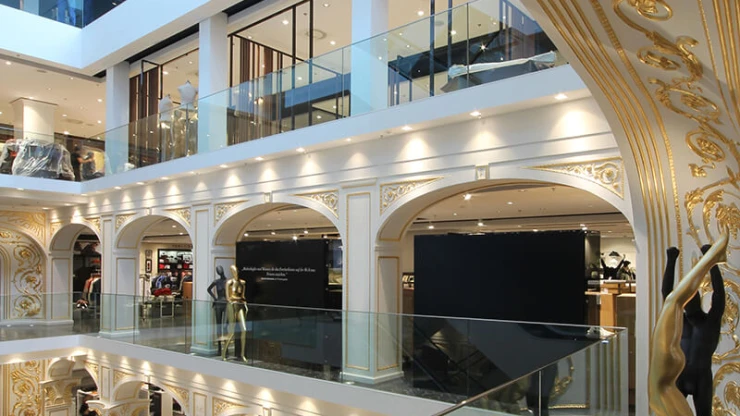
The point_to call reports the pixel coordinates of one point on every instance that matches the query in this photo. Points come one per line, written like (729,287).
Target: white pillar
(116,117)
(203,274)
(59,300)
(369,60)
(33,119)
(165,405)
(213,72)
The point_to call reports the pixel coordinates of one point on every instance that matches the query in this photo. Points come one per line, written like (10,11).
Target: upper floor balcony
(78,13)
(320,101)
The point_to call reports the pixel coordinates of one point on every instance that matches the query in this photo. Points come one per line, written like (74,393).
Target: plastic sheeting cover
(40,159)
(8,155)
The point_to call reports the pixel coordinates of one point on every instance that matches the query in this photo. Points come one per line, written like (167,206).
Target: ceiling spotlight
(182,233)
(1,113)
(8,63)
(64,115)
(20,189)
(332,43)
(475,113)
(349,139)
(509,203)
(535,230)
(164,178)
(295,238)
(420,13)
(191,62)
(406,128)
(117,188)
(100,121)
(300,78)
(259,158)
(431,226)
(584,228)
(100,100)
(467,197)
(223,166)
(482,47)
(165,73)
(480,223)
(561,97)
(318,116)
(305,231)
(300,150)
(327,4)
(246,234)
(581,225)
(454,214)
(66,132)
(286,22)
(453,32)
(272,232)
(30,98)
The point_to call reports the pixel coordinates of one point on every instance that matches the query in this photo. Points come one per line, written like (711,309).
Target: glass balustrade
(501,365)
(78,13)
(476,43)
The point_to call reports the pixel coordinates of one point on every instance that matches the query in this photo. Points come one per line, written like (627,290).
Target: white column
(33,119)
(213,72)
(119,304)
(165,405)
(369,60)
(59,300)
(116,117)
(203,274)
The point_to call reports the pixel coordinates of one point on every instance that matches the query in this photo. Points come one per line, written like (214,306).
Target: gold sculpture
(236,310)
(667,361)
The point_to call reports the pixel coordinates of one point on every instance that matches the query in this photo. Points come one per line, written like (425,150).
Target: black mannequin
(610,273)
(700,336)
(219,302)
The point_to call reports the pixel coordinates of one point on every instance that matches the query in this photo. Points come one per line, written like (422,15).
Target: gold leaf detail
(392,192)
(220,406)
(122,219)
(95,222)
(25,391)
(31,222)
(54,227)
(329,199)
(118,376)
(183,213)
(607,173)
(220,210)
(182,395)
(27,282)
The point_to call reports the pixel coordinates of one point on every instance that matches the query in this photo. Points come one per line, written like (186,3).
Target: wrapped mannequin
(187,95)
(236,311)
(186,119)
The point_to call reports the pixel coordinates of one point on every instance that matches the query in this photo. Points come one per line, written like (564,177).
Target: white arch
(65,237)
(130,233)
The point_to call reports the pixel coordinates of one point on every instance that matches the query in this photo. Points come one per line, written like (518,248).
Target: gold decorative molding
(329,199)
(95,222)
(118,376)
(34,223)
(607,173)
(182,395)
(220,406)
(122,219)
(92,368)
(27,274)
(23,388)
(220,210)
(392,192)
(53,228)
(59,392)
(183,213)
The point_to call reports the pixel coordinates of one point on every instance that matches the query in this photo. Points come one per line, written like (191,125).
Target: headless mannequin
(187,94)
(166,110)
(236,311)
(610,273)
(219,301)
(700,336)
(189,131)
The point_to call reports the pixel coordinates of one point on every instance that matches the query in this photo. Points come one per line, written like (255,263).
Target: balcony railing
(528,365)
(79,13)
(479,42)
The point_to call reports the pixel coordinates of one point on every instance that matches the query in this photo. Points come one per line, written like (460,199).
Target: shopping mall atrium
(369,207)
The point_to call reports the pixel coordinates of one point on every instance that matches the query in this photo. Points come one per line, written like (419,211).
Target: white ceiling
(76,97)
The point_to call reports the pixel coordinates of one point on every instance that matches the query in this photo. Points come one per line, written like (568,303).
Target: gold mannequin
(667,359)
(236,310)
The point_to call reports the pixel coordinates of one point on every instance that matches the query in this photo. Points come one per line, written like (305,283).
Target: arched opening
(154,266)
(290,257)
(524,250)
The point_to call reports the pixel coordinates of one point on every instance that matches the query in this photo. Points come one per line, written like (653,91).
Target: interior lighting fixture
(1,113)
(582,225)
(561,97)
(332,43)
(259,158)
(223,166)
(117,188)
(453,32)
(8,63)
(174,226)
(509,203)
(327,4)
(165,73)
(584,228)
(467,197)
(30,98)
(246,234)
(305,231)
(431,226)
(100,121)
(535,230)
(300,78)
(420,13)
(300,150)
(20,189)
(286,22)
(349,139)
(406,128)
(475,113)
(318,116)
(454,214)
(272,232)
(191,62)
(482,47)
(100,100)
(380,58)
(140,183)
(295,238)
(164,178)
(66,132)
(64,115)
(480,223)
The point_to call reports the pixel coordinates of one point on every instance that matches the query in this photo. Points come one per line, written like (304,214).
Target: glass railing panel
(591,381)
(77,13)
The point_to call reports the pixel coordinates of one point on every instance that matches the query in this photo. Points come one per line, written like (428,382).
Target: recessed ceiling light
(45,208)
(454,214)
(174,226)
(509,203)
(406,128)
(182,233)
(327,4)
(192,172)
(295,238)
(609,231)
(480,223)
(140,183)
(66,132)
(467,197)
(165,73)
(475,113)
(117,187)
(100,121)
(582,225)
(1,113)
(67,204)
(8,63)
(349,139)
(584,228)
(305,231)
(272,232)
(100,100)
(561,96)
(431,226)
(83,194)
(453,32)
(64,115)
(332,43)
(20,189)
(420,13)
(224,166)
(535,230)
(48,89)
(318,116)
(300,150)
(246,234)
(164,178)
(259,158)
(191,62)
(30,98)
(286,22)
